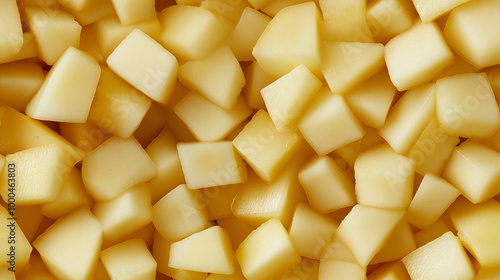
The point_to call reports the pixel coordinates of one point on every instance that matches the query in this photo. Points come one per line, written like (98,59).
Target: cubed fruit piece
(366,229)
(256,80)
(329,123)
(466,106)
(345,65)
(71,196)
(70,247)
(207,121)
(474,169)
(290,39)
(11,31)
(370,101)
(400,243)
(327,186)
(390,271)
(409,117)
(179,214)
(427,261)
(306,270)
(35,175)
(129,260)
(433,197)
(246,33)
(54,33)
(310,231)
(429,10)
(339,270)
(88,11)
(209,164)
(114,167)
(118,104)
(205,251)
(68,90)
(415,56)
(264,148)
(388,18)
(134,11)
(344,21)
(287,97)
(16,251)
(469,31)
(384,178)
(477,226)
(267,252)
(152,69)
(434,231)
(190,33)
(19,82)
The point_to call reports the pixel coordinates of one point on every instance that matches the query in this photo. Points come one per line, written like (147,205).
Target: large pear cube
(11,31)
(429,10)
(290,39)
(146,65)
(16,251)
(70,247)
(68,90)
(134,11)
(388,18)
(344,21)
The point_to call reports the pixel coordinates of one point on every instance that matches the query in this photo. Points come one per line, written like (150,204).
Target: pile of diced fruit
(250,139)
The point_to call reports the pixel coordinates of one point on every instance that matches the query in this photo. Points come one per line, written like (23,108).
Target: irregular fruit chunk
(387,18)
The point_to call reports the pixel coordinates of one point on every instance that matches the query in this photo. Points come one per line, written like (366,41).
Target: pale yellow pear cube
(190,33)
(267,252)
(290,39)
(179,214)
(114,167)
(246,33)
(273,7)
(54,32)
(430,10)
(327,186)
(339,270)
(329,123)
(434,231)
(390,271)
(11,31)
(400,243)
(129,260)
(118,104)
(218,77)
(388,18)
(433,197)
(426,262)
(466,106)
(345,65)
(87,12)
(409,117)
(68,90)
(16,248)
(205,251)
(310,231)
(134,11)
(152,70)
(344,21)
(264,148)
(287,97)
(256,80)
(207,121)
(70,247)
(416,55)
(366,229)
(477,226)
(474,169)
(470,31)
(384,178)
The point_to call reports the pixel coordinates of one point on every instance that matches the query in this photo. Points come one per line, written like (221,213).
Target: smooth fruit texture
(11,30)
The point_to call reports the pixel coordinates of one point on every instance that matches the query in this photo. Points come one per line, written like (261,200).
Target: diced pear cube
(390,271)
(267,252)
(179,214)
(290,39)
(429,10)
(218,77)
(264,148)
(54,31)
(287,97)
(415,56)
(129,260)
(11,31)
(384,178)
(68,90)
(466,106)
(388,18)
(474,169)
(16,251)
(409,117)
(153,70)
(400,243)
(70,247)
(87,12)
(327,186)
(329,123)
(366,229)
(477,226)
(427,261)
(134,11)
(339,270)
(256,80)
(205,251)
(345,65)
(114,167)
